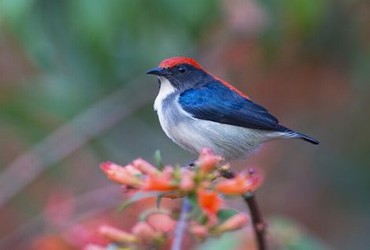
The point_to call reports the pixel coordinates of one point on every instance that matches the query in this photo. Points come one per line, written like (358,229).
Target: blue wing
(216,102)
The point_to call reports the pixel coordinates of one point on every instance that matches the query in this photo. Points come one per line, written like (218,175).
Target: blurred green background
(73,93)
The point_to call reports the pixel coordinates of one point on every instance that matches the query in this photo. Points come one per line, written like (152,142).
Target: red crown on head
(173,61)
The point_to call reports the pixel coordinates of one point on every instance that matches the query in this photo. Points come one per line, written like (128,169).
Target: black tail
(307,138)
(292,134)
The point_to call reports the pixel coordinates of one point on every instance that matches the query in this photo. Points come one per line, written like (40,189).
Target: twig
(181,225)
(259,225)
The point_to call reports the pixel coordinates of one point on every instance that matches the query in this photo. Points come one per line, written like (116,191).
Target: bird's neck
(165,90)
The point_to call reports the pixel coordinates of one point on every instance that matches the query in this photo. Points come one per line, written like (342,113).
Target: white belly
(226,140)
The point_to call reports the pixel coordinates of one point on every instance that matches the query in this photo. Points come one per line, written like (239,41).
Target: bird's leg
(191,165)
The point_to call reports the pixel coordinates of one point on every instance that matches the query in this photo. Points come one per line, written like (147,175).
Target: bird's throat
(165,90)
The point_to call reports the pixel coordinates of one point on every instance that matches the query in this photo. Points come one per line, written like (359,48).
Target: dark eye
(182,69)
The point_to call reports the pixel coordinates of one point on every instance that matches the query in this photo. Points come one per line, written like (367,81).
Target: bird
(198,110)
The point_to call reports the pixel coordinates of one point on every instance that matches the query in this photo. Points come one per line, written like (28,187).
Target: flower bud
(159,183)
(168,172)
(207,160)
(187,182)
(119,174)
(235,222)
(145,167)
(161,222)
(145,232)
(132,170)
(240,184)
(117,235)
(199,231)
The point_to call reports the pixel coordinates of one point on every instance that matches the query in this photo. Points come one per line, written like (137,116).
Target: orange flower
(240,184)
(207,160)
(120,174)
(210,203)
(159,182)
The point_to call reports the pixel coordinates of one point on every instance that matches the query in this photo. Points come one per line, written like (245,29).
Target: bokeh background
(73,93)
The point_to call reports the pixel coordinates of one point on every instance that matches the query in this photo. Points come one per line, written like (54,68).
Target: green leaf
(158,159)
(225,214)
(203,219)
(136,197)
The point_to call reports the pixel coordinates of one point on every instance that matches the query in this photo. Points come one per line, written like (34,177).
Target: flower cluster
(203,185)
(140,175)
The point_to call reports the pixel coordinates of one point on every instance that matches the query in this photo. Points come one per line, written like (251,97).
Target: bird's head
(182,72)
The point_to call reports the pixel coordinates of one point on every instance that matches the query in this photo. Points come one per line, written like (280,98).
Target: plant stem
(181,225)
(259,225)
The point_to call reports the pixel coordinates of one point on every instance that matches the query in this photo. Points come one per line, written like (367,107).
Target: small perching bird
(198,110)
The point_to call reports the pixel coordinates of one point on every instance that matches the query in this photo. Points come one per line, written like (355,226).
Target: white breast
(167,114)
(165,90)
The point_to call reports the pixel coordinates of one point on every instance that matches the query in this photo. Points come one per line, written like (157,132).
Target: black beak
(156,71)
